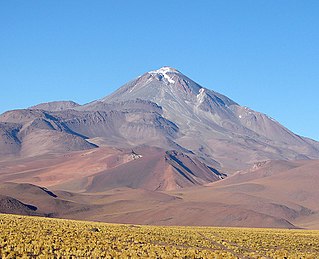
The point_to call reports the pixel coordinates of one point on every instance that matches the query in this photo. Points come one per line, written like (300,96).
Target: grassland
(30,237)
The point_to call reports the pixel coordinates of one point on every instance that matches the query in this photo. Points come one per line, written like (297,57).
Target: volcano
(163,135)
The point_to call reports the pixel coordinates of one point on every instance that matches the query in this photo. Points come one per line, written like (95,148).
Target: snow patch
(131,90)
(163,71)
(135,156)
(170,80)
(272,119)
(201,95)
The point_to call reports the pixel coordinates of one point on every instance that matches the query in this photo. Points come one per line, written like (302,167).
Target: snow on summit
(164,72)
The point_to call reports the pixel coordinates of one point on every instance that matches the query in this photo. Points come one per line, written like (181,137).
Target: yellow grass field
(30,237)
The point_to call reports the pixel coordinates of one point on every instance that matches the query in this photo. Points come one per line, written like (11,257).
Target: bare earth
(272,194)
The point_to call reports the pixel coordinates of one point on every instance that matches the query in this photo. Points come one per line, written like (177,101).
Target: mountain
(208,123)
(161,108)
(160,150)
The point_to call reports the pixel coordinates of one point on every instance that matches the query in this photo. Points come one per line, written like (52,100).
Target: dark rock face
(14,206)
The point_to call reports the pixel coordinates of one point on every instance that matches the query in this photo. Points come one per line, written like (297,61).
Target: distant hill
(55,106)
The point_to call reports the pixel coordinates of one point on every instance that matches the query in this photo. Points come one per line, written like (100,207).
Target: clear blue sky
(263,54)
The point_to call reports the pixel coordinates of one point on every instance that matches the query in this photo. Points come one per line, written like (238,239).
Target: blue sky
(263,54)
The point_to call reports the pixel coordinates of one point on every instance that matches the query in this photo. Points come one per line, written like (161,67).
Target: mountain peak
(165,85)
(164,72)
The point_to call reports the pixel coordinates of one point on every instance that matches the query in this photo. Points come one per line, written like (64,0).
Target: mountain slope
(104,168)
(155,170)
(34,132)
